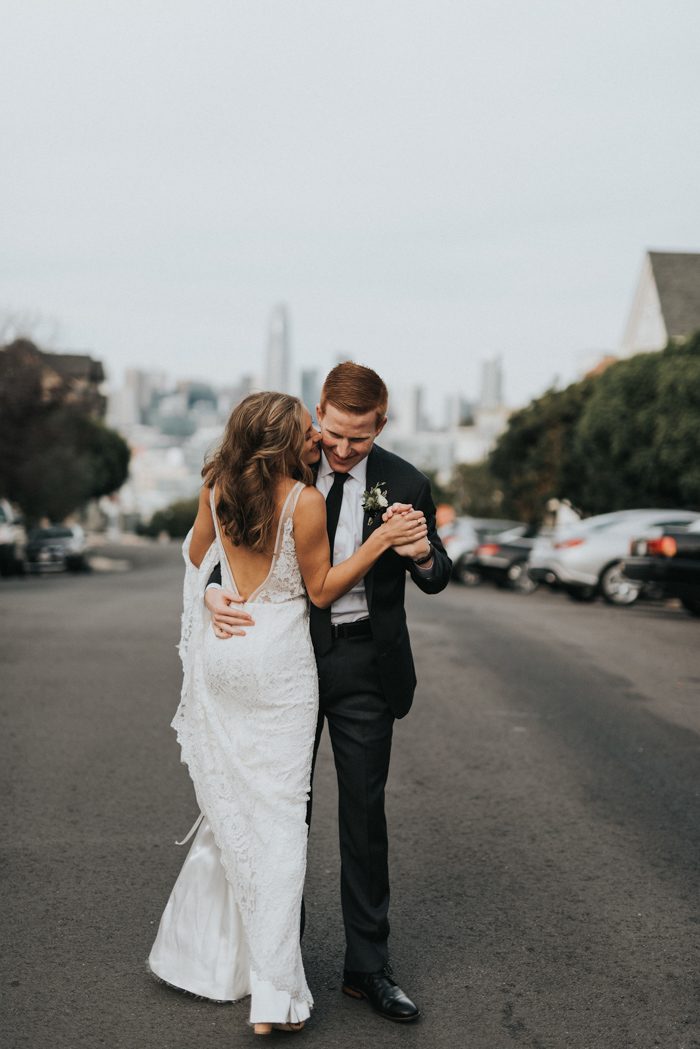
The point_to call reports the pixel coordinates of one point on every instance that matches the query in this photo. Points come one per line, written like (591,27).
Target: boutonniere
(374,499)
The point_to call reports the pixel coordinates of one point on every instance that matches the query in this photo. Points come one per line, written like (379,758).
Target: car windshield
(521,532)
(51,533)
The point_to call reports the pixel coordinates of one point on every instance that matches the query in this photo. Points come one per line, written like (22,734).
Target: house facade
(666,303)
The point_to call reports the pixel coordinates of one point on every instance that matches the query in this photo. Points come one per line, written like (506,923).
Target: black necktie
(334,501)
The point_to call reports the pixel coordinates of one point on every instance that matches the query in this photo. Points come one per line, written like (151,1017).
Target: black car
(670,561)
(461,538)
(503,559)
(56,549)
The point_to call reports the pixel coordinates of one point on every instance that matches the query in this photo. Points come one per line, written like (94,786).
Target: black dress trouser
(360,725)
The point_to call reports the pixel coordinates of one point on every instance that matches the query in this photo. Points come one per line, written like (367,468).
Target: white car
(587,557)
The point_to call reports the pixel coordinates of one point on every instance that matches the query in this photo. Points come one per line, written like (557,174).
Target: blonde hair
(263,440)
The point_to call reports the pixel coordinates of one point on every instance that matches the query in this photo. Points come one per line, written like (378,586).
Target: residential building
(666,303)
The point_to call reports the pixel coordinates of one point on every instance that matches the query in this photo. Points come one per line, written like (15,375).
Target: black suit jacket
(385,583)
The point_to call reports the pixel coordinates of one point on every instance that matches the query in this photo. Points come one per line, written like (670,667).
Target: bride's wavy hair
(263,440)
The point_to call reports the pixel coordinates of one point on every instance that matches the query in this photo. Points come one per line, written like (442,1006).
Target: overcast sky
(424,182)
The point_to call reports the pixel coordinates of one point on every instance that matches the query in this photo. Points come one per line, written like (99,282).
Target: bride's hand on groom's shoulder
(228,619)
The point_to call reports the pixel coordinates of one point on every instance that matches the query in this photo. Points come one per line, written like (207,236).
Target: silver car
(586,558)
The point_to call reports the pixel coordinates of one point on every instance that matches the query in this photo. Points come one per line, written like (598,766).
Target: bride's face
(312,441)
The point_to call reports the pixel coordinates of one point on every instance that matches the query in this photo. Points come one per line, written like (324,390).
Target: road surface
(543,811)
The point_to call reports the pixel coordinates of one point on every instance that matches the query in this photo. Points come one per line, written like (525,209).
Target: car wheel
(617,588)
(581,593)
(519,578)
(692,605)
(466,574)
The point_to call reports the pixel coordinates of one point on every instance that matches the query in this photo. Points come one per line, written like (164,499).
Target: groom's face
(347,438)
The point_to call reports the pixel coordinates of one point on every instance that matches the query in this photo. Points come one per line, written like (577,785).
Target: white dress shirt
(348,536)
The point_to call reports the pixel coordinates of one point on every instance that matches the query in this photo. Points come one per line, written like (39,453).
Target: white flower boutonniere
(374,500)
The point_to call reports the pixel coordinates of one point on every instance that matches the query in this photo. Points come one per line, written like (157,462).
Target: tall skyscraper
(278,370)
(491,395)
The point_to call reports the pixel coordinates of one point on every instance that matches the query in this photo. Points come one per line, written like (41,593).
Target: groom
(365,665)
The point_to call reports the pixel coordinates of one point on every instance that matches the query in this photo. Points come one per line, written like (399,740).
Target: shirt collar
(358,472)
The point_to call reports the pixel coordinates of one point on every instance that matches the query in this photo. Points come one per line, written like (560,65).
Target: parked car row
(55,548)
(619,556)
(587,558)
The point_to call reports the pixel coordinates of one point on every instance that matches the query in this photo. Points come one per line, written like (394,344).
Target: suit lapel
(374,468)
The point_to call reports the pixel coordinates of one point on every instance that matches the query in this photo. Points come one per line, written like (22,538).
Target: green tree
(536,458)
(54,456)
(639,434)
(176,519)
(474,490)
(441,493)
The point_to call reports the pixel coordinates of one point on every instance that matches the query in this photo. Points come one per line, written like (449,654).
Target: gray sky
(424,182)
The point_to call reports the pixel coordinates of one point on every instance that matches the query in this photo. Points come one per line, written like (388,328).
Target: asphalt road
(543,810)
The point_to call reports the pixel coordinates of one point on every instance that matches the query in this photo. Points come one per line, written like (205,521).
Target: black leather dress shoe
(382,993)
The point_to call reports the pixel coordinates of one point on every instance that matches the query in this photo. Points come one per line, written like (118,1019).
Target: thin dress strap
(223,559)
(287,511)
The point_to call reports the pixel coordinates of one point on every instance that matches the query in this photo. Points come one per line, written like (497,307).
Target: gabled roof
(677,279)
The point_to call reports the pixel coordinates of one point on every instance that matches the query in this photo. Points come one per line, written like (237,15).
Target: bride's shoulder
(310,499)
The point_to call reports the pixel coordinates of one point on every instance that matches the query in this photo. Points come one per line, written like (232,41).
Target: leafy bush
(176,519)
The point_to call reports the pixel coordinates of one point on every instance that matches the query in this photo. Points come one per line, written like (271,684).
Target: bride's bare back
(250,569)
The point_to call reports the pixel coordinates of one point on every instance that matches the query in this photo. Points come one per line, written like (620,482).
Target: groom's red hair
(356,389)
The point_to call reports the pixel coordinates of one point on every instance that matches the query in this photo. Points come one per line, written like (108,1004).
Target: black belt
(360,628)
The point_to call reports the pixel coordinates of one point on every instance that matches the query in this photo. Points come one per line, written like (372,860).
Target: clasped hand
(415,545)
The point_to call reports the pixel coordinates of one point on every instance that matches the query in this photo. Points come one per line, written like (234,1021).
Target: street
(542,806)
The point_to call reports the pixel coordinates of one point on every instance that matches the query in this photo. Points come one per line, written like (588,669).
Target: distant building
(666,304)
(76,377)
(236,393)
(132,403)
(491,395)
(311,388)
(470,430)
(278,370)
(406,410)
(70,378)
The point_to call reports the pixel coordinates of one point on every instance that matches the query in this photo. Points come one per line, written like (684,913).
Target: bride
(247,716)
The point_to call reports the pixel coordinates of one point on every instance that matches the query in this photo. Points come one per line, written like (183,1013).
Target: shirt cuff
(213,586)
(426,572)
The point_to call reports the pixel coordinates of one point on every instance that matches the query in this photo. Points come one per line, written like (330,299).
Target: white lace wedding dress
(246,724)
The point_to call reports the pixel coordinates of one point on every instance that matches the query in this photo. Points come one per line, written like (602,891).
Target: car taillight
(564,544)
(666,546)
(488,549)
